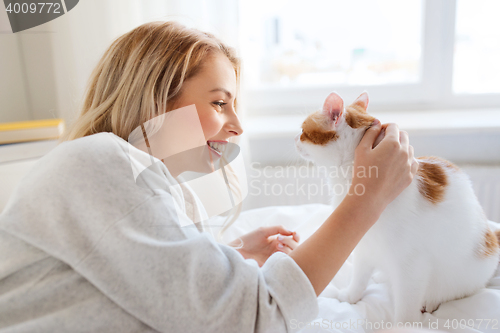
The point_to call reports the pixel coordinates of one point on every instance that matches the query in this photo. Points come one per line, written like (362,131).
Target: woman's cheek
(211,125)
(216,126)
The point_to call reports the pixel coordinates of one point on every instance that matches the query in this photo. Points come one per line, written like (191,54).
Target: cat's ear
(362,101)
(333,106)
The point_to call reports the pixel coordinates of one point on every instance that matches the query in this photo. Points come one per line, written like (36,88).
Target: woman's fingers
(414,163)
(404,140)
(295,236)
(287,242)
(284,249)
(370,135)
(277,229)
(393,158)
(379,138)
(387,133)
(391,133)
(280,229)
(414,167)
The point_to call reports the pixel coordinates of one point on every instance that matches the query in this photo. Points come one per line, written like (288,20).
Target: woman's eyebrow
(229,95)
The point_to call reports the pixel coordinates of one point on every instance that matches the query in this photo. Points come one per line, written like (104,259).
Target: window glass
(477,47)
(331,42)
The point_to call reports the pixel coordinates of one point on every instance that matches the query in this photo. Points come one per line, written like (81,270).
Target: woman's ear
(333,106)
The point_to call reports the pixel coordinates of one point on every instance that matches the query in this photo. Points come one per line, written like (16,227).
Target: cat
(433,242)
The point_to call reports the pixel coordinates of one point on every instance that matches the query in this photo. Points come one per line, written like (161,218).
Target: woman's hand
(389,167)
(262,242)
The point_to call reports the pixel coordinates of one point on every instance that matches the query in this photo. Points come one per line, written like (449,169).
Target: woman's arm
(324,252)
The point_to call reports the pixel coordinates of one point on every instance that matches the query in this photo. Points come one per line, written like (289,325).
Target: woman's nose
(233,124)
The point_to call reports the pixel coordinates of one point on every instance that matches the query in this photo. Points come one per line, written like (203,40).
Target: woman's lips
(218,144)
(213,150)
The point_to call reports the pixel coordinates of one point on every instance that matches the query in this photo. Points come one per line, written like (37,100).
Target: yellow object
(32,130)
(18,125)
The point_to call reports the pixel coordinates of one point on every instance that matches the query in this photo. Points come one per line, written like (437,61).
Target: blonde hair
(140,76)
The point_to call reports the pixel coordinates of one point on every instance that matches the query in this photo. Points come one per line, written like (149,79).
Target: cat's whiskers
(291,158)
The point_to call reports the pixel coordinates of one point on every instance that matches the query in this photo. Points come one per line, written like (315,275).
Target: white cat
(433,242)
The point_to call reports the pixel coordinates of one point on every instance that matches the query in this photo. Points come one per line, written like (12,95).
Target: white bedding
(375,308)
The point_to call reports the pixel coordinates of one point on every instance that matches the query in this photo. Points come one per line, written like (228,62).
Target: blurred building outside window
(429,53)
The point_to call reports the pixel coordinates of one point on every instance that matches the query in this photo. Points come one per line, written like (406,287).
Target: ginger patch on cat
(315,130)
(443,162)
(490,244)
(357,117)
(432,179)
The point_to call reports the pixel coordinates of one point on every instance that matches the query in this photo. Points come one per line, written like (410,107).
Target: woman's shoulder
(99,146)
(103,153)
(95,163)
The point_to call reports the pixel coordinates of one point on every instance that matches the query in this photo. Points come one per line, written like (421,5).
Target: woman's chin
(208,162)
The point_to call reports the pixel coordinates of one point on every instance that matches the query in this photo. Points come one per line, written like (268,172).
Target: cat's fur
(433,242)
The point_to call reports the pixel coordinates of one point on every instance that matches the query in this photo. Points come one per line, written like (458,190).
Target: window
(477,47)
(409,55)
(339,50)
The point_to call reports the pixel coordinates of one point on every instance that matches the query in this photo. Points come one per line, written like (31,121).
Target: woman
(83,248)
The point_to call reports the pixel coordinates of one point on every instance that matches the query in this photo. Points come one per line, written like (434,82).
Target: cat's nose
(297,137)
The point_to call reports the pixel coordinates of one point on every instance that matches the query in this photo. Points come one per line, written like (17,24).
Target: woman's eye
(219,104)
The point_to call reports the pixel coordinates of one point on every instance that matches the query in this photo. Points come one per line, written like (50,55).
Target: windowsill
(412,122)
(463,136)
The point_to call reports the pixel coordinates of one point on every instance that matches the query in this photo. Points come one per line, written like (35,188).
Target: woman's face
(213,91)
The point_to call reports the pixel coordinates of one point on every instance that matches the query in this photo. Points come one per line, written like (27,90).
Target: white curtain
(47,67)
(82,35)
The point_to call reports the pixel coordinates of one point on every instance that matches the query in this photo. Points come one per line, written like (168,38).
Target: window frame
(433,92)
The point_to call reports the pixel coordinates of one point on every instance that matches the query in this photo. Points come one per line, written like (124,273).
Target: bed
(477,313)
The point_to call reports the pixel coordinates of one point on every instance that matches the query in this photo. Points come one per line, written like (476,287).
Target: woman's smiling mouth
(217,146)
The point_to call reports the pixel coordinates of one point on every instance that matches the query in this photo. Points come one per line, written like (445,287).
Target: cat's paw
(345,295)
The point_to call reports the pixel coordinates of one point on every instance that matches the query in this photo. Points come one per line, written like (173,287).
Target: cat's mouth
(301,151)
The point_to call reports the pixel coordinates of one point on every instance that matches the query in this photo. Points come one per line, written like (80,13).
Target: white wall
(81,37)
(45,69)
(13,95)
